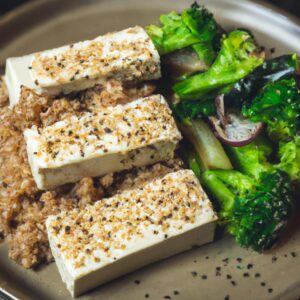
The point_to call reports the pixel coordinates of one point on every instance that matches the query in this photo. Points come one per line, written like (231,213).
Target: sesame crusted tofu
(128,56)
(136,134)
(120,234)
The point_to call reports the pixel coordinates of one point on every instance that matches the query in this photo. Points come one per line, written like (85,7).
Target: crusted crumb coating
(103,232)
(23,208)
(42,111)
(128,56)
(139,124)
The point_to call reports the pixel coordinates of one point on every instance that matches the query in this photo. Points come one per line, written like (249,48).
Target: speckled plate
(220,270)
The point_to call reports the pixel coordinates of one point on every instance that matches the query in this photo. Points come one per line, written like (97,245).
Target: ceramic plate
(220,270)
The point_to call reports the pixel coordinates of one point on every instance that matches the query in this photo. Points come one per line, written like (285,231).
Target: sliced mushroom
(231,127)
(183,62)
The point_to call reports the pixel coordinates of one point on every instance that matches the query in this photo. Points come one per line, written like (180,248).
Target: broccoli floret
(256,200)
(195,27)
(238,56)
(289,155)
(254,212)
(278,106)
(252,159)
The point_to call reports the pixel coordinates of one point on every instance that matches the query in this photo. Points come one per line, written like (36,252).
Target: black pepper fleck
(274,258)
(227,297)
(204,277)
(137,282)
(194,273)
(107,130)
(146,295)
(228,276)
(293,254)
(239,260)
(246,274)
(270,290)
(249,266)
(256,275)
(176,293)
(262,283)
(167,297)
(233,282)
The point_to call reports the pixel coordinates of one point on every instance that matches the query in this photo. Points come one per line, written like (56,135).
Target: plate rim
(14,17)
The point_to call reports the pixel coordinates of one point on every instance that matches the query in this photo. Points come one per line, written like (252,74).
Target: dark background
(292,6)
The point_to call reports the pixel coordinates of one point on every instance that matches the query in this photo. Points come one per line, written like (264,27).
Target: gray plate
(45,24)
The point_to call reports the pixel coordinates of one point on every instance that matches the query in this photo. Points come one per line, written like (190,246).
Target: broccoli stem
(192,159)
(218,190)
(207,146)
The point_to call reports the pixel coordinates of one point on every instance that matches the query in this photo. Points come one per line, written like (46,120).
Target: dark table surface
(292,6)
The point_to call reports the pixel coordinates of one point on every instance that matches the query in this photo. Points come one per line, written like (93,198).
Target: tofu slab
(128,56)
(120,234)
(136,134)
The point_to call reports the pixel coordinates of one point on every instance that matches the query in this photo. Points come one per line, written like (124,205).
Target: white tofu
(16,76)
(128,56)
(120,234)
(139,133)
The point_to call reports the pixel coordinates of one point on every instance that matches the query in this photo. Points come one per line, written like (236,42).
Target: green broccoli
(278,106)
(252,159)
(254,212)
(255,201)
(289,156)
(195,27)
(238,56)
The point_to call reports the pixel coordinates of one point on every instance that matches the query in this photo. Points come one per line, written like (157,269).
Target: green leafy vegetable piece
(196,25)
(289,155)
(270,71)
(278,106)
(236,59)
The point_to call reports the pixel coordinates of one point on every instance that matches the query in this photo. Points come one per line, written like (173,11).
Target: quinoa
(24,208)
